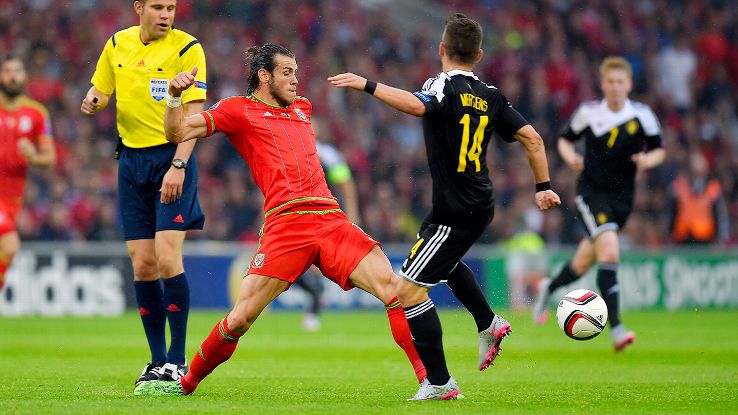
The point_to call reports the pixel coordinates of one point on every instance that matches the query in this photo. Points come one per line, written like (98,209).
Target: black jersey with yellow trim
(461,114)
(610,140)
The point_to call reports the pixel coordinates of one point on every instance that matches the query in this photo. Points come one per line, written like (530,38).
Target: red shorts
(291,242)
(8,213)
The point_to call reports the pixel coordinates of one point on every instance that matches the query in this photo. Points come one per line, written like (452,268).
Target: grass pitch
(682,363)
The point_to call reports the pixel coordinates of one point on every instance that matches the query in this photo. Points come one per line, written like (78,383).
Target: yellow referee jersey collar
(138,34)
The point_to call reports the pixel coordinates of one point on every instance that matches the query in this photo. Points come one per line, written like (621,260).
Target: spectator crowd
(543,55)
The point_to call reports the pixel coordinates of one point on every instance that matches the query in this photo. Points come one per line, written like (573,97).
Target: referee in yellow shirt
(157,181)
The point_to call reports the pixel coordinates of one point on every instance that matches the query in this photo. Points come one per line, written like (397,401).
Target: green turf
(681,363)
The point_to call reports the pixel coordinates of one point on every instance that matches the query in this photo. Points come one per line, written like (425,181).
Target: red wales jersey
(30,120)
(279,145)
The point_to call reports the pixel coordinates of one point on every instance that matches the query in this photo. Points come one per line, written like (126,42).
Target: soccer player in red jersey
(25,139)
(270,127)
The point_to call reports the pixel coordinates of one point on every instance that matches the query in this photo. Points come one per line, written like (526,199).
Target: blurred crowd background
(543,55)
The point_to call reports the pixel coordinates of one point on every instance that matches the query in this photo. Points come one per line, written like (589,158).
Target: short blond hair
(616,62)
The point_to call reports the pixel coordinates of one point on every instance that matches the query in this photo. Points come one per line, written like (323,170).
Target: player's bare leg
(9,246)
(374,275)
(256,292)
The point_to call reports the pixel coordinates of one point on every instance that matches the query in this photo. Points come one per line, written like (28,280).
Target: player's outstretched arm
(396,98)
(536,151)
(177,127)
(94,101)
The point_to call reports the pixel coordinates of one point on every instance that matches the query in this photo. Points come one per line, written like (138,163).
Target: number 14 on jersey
(473,151)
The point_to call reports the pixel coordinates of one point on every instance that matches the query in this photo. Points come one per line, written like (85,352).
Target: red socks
(216,349)
(403,338)
(221,343)
(3,270)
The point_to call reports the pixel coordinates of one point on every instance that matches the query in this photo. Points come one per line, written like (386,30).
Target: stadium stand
(542,54)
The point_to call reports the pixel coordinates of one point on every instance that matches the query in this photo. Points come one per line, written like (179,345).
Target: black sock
(425,327)
(467,290)
(314,288)
(177,303)
(149,297)
(566,275)
(610,290)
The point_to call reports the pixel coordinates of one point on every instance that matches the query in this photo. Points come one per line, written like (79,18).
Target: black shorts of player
(600,212)
(437,251)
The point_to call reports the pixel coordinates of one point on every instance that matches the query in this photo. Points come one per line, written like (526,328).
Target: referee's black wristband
(370,87)
(543,186)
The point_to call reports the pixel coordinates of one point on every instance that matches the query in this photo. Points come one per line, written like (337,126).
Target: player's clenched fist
(182,81)
(348,80)
(547,199)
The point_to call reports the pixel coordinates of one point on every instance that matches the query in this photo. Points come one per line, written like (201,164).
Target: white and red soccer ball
(582,314)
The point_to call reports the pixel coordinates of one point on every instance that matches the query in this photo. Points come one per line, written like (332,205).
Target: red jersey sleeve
(225,116)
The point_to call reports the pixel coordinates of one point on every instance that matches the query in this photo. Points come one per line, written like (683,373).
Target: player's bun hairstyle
(262,57)
(463,38)
(616,62)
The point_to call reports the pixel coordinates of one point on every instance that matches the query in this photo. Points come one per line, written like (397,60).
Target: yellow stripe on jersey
(139,76)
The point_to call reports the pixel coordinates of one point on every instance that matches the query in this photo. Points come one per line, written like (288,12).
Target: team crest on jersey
(259,259)
(24,125)
(631,127)
(301,115)
(158,88)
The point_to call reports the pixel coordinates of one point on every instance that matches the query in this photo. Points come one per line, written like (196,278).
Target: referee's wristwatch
(179,164)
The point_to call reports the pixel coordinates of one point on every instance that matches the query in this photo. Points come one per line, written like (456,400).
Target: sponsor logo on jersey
(423,96)
(301,115)
(631,127)
(268,114)
(259,259)
(214,106)
(158,88)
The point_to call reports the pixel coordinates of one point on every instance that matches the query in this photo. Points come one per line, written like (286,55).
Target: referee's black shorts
(600,212)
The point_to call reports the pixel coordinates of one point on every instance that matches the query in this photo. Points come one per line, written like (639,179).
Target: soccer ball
(582,314)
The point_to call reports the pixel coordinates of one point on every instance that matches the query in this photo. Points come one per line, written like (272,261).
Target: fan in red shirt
(25,139)
(270,127)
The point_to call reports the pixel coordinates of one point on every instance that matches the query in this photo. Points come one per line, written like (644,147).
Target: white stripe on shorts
(428,251)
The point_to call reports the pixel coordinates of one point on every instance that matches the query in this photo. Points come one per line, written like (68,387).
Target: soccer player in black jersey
(620,137)
(459,114)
